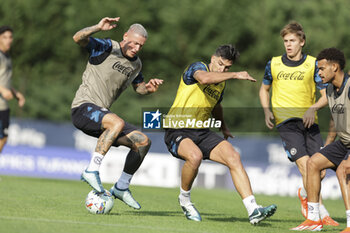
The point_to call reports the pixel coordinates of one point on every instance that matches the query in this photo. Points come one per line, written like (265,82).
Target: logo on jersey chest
(122,69)
(295,75)
(338,108)
(212,92)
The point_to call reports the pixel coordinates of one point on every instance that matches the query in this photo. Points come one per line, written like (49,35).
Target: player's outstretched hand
(108,23)
(153,84)
(243,75)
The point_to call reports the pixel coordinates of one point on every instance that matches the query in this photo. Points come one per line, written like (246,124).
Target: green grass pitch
(32,205)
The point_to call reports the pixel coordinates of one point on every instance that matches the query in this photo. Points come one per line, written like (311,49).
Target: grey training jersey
(5,77)
(339,105)
(107,74)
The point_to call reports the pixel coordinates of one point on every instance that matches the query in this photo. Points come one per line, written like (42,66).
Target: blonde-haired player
(294,78)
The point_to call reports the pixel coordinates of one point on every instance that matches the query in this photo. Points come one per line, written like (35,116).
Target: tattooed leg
(113,126)
(139,144)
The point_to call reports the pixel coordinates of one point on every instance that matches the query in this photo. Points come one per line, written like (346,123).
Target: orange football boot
(328,221)
(309,225)
(303,202)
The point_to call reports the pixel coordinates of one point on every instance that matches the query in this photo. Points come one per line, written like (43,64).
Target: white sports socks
(313,211)
(184,197)
(124,181)
(95,162)
(250,204)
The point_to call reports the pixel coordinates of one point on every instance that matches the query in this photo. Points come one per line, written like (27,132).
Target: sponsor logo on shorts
(178,139)
(293,151)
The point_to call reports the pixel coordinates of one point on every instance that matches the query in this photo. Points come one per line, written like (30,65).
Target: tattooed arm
(82,36)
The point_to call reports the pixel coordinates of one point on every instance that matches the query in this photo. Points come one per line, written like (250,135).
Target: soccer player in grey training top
(331,63)
(7,92)
(111,68)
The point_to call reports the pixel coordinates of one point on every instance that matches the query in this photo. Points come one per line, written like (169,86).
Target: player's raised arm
(220,63)
(205,78)
(105,24)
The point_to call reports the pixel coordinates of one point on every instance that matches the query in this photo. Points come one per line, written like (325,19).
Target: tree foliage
(48,65)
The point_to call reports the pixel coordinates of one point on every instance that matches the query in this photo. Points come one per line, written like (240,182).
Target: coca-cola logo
(122,69)
(338,108)
(296,75)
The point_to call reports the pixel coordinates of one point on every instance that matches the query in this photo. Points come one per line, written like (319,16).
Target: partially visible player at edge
(331,63)
(7,92)
(198,96)
(111,68)
(293,78)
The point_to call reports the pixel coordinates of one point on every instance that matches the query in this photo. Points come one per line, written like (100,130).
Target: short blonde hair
(138,29)
(295,28)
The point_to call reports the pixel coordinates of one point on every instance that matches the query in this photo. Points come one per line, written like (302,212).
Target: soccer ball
(99,203)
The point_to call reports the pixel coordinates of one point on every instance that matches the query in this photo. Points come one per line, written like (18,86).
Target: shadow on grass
(217,217)
(166,213)
(340,220)
(265,223)
(150,213)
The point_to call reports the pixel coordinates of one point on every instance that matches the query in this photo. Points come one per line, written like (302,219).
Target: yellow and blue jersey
(294,86)
(194,100)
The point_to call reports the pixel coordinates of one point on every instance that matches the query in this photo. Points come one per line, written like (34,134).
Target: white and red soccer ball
(99,203)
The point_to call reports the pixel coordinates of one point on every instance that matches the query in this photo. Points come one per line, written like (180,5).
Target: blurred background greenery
(48,65)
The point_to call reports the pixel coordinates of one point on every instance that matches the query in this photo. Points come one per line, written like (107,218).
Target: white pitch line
(91,223)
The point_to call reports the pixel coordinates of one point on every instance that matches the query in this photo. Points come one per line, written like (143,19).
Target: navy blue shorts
(205,139)
(299,141)
(4,123)
(88,118)
(335,152)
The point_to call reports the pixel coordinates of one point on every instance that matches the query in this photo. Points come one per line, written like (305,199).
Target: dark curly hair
(333,55)
(227,51)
